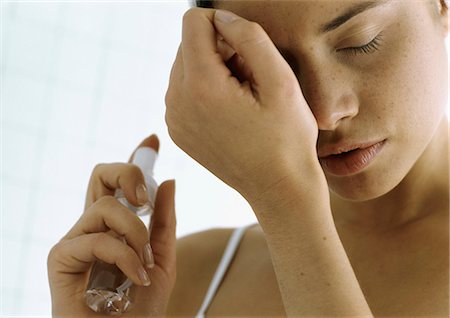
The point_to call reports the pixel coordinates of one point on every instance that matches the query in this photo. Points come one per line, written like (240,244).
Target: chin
(366,186)
(358,192)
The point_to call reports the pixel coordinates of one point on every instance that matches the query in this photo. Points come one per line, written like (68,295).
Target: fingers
(106,178)
(163,226)
(248,39)
(252,43)
(199,48)
(109,214)
(76,255)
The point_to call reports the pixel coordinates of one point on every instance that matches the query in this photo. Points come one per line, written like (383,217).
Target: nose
(329,94)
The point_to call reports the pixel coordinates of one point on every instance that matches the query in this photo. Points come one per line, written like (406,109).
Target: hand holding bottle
(96,237)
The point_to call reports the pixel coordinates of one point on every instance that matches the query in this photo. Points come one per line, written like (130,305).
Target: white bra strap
(233,243)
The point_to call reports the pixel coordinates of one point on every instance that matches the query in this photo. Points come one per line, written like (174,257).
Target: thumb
(254,46)
(163,226)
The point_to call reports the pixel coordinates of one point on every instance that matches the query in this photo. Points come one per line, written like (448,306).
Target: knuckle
(254,29)
(173,94)
(100,239)
(187,15)
(167,118)
(54,253)
(132,171)
(168,98)
(192,13)
(106,200)
(99,167)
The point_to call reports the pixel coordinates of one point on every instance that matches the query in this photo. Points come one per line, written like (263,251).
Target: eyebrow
(350,13)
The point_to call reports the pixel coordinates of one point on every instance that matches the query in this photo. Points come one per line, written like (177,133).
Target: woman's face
(392,90)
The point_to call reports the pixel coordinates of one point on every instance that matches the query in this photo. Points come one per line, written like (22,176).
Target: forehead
(268,10)
(305,16)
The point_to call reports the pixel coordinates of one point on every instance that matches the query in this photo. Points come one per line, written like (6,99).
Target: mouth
(343,160)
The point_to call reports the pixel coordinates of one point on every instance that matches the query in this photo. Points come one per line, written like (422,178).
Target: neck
(422,193)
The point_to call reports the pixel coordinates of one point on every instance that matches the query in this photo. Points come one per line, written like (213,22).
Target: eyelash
(370,47)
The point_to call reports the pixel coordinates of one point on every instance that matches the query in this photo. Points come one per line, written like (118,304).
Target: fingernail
(141,194)
(143,276)
(225,16)
(148,256)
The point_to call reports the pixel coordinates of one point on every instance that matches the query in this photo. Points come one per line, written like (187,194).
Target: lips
(348,159)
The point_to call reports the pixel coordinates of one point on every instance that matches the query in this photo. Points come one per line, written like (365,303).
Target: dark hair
(210,4)
(444,5)
(204,3)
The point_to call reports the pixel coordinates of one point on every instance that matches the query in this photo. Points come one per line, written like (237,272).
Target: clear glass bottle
(109,291)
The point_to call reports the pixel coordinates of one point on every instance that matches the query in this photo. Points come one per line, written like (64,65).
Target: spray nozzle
(145,158)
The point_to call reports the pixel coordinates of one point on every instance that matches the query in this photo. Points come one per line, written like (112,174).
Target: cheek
(408,89)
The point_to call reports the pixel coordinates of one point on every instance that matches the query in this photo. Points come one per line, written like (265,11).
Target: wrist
(300,185)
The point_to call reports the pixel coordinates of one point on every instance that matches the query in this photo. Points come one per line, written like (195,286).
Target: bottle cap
(145,158)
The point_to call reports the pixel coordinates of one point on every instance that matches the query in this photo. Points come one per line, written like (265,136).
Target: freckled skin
(397,93)
(391,217)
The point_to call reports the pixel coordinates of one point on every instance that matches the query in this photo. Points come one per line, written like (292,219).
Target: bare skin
(404,275)
(392,221)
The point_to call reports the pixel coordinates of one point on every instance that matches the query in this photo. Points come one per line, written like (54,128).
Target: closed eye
(367,49)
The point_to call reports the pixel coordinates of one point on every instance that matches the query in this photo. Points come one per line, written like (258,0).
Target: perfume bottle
(109,291)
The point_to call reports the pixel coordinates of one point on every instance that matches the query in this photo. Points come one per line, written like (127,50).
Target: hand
(245,119)
(94,237)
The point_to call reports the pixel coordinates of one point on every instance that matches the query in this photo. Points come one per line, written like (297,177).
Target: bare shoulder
(249,285)
(198,256)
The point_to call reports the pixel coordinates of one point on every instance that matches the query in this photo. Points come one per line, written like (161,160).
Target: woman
(328,117)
